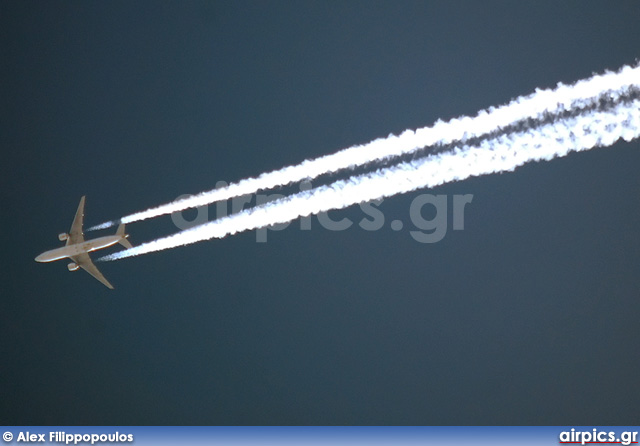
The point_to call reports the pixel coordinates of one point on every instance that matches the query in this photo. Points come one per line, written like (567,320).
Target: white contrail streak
(563,97)
(594,128)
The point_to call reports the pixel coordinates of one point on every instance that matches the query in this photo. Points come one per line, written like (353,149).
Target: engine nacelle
(73,266)
(62,237)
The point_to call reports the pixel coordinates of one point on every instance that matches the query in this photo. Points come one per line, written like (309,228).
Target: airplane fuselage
(78,248)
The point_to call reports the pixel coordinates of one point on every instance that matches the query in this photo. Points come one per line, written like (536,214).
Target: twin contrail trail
(594,112)
(540,103)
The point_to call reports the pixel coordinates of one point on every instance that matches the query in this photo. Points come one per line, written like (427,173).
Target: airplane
(78,249)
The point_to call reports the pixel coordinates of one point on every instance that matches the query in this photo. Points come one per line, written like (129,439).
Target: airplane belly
(50,256)
(74,250)
(103,242)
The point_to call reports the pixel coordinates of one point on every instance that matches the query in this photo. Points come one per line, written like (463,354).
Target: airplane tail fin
(123,237)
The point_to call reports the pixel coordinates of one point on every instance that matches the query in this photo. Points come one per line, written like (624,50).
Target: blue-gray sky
(528,316)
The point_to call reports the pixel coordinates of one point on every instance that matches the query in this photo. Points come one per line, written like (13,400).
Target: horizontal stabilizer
(120,231)
(123,237)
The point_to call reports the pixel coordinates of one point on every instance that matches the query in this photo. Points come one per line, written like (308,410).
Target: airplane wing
(75,234)
(84,262)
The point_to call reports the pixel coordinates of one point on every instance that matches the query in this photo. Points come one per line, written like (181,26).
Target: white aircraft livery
(78,249)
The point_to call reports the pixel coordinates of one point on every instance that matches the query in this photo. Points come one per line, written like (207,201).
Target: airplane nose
(39,258)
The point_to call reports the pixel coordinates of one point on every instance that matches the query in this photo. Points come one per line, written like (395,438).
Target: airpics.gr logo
(597,436)
(422,229)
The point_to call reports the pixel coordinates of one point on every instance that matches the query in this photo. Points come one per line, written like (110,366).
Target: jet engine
(73,266)
(62,237)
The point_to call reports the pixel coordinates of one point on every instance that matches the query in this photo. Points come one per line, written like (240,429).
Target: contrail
(593,128)
(580,95)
